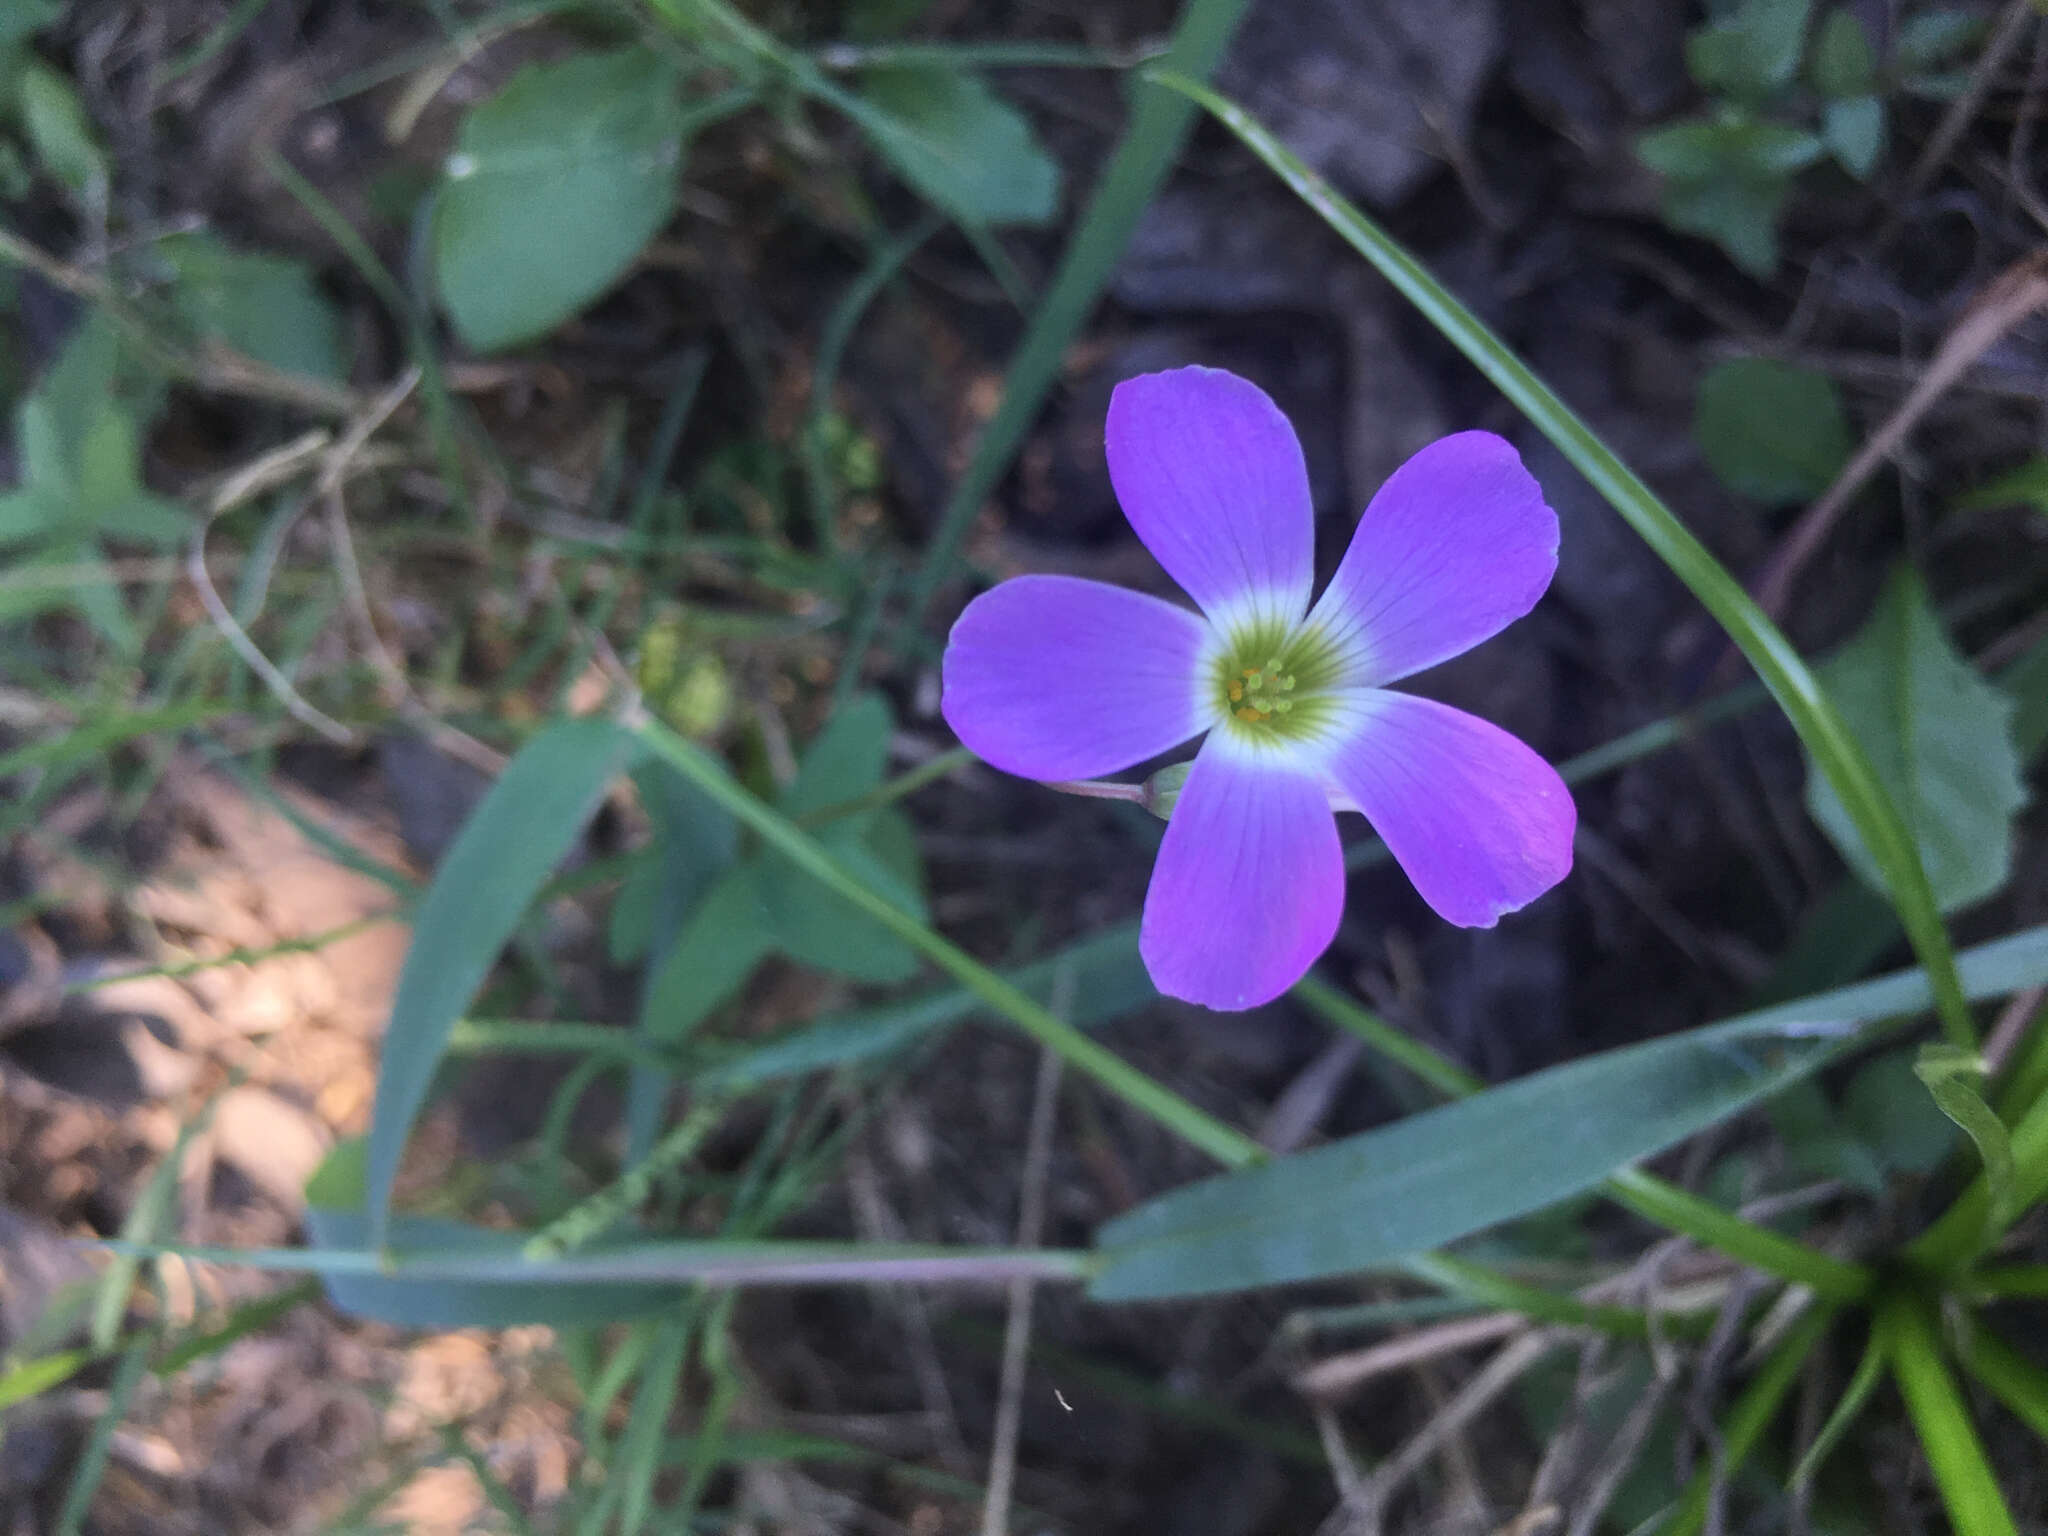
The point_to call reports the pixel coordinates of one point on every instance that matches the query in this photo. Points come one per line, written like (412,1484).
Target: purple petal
(1250,879)
(1052,677)
(1211,477)
(1457,545)
(1481,824)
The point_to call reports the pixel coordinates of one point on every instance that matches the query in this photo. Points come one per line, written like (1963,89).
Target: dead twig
(1002,1461)
(1941,144)
(2010,298)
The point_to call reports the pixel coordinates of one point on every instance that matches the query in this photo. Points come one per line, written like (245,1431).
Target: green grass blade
(32,1378)
(94,740)
(1369,1201)
(1787,676)
(1753,1410)
(92,1461)
(1863,1381)
(1159,125)
(1962,1473)
(511,843)
(2010,1377)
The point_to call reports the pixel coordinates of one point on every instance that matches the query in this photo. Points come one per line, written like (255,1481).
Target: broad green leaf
(555,185)
(1888,1107)
(266,307)
(846,759)
(726,935)
(335,1216)
(1854,129)
(509,846)
(1940,739)
(960,145)
(2026,485)
(1369,1201)
(1770,430)
(1844,64)
(1816,1145)
(1752,53)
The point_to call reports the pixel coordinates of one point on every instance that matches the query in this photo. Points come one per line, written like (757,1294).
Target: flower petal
(1481,824)
(1053,677)
(1212,479)
(1457,545)
(1250,879)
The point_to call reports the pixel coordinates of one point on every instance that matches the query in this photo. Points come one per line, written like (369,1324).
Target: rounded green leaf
(1771,431)
(960,145)
(555,185)
(1940,739)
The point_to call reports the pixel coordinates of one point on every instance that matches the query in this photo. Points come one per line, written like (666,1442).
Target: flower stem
(1098,789)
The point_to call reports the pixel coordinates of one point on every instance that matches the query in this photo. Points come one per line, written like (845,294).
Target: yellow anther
(1236,692)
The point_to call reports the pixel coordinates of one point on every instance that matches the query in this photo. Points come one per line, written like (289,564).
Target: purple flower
(1056,678)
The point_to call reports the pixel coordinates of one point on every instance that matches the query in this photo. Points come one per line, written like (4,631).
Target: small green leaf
(1420,1183)
(554,186)
(1844,64)
(58,131)
(1955,1078)
(1940,740)
(1854,129)
(960,145)
(1771,431)
(2026,485)
(266,307)
(1727,180)
(1935,38)
(1752,53)
(509,846)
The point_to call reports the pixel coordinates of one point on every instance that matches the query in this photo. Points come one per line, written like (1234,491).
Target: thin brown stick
(2012,296)
(2011,27)
(1002,1463)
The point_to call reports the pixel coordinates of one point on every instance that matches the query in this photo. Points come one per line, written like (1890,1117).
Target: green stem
(1654,1199)
(1963,1475)
(1813,715)
(1230,1147)
(1964,1231)
(1754,1409)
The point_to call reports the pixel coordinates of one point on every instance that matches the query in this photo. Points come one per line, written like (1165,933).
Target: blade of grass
(99,737)
(1753,1410)
(2010,1377)
(1654,1199)
(1863,1381)
(1962,1474)
(1965,1229)
(1159,125)
(92,1461)
(1791,682)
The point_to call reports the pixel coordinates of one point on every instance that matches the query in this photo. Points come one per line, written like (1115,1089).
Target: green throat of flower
(1273,683)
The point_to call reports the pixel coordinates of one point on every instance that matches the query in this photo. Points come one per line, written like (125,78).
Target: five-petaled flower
(1057,678)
